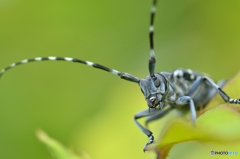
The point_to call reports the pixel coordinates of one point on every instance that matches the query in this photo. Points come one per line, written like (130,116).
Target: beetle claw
(151,138)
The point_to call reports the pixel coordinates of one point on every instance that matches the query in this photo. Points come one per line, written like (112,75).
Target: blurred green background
(88,109)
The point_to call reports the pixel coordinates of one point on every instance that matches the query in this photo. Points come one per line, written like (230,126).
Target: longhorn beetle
(179,89)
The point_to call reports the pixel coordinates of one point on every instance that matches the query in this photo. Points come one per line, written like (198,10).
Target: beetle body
(172,85)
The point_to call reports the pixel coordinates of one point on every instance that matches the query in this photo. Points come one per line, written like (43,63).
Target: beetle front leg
(158,115)
(141,114)
(188,100)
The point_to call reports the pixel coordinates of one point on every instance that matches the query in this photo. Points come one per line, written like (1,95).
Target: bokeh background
(87,109)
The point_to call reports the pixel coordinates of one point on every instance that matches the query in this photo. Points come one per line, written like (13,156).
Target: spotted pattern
(235,101)
(186,74)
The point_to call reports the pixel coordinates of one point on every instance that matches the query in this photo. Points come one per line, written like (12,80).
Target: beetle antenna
(123,75)
(152,59)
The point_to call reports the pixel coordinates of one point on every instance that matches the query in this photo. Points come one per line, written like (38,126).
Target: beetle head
(153,90)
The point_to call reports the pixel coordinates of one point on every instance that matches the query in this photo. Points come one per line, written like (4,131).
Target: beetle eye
(157,83)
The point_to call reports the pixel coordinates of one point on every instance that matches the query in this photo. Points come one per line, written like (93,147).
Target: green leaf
(218,124)
(57,150)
